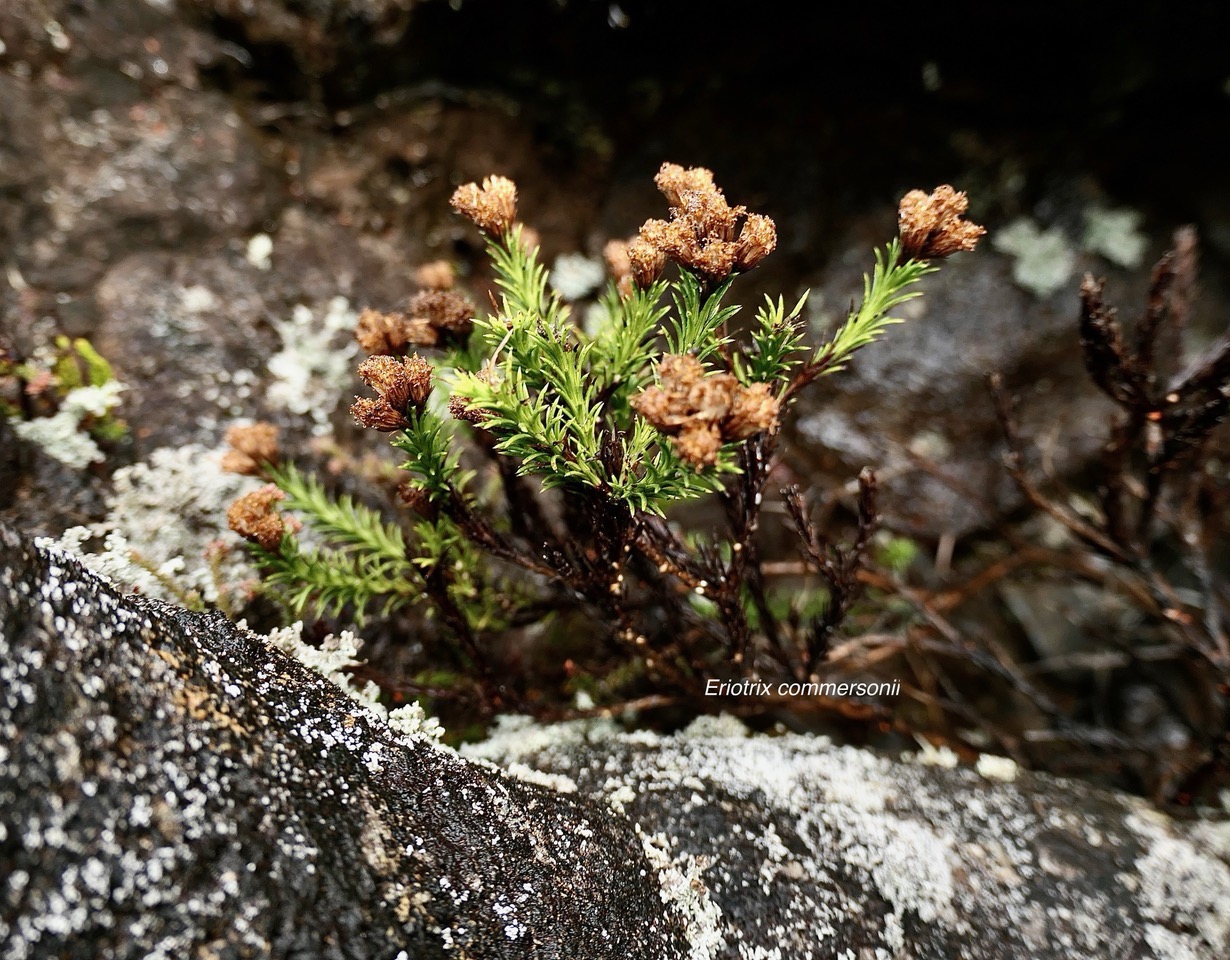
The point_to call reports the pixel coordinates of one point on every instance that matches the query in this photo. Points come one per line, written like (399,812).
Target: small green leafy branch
(593,439)
(34,388)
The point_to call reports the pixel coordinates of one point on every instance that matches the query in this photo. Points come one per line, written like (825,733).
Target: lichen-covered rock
(173,786)
(810,850)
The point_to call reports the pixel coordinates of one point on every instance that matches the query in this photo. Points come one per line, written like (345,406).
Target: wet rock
(112,141)
(171,785)
(191,337)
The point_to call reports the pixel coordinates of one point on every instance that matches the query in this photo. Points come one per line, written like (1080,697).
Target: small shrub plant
(544,465)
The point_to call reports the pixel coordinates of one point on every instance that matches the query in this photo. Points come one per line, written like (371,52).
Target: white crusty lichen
(997,768)
(1043,260)
(337,653)
(259,251)
(684,893)
(1180,886)
(165,534)
(61,435)
(575,275)
(1115,235)
(313,368)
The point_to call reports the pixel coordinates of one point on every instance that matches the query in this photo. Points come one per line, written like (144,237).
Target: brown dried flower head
(459,407)
(436,275)
(757,240)
(400,382)
(701,233)
(615,253)
(445,312)
(492,207)
(388,377)
(647,262)
(430,317)
(252,446)
(377,414)
(418,372)
(381,333)
(753,409)
(674,181)
(698,444)
(931,227)
(419,331)
(254,518)
(701,412)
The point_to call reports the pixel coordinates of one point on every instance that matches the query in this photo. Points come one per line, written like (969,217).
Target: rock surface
(172,786)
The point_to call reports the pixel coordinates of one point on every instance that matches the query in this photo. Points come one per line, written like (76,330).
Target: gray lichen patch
(816,850)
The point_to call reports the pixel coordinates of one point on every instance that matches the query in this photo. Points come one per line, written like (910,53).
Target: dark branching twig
(1155,450)
(838,566)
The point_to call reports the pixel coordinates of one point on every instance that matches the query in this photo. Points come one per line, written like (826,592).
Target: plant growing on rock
(63,400)
(592,440)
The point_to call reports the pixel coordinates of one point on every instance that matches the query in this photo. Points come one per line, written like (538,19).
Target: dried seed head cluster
(491,207)
(619,265)
(381,333)
(254,517)
(252,447)
(436,275)
(931,227)
(431,318)
(705,234)
(701,412)
(633,262)
(401,384)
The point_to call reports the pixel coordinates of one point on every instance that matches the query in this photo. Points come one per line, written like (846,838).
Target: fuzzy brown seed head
(389,378)
(674,180)
(458,407)
(618,265)
(376,414)
(757,240)
(252,446)
(930,225)
(380,333)
(701,412)
(709,215)
(492,208)
(714,261)
(436,275)
(254,518)
(443,310)
(754,409)
(684,395)
(701,232)
(419,332)
(418,373)
(698,444)
(647,262)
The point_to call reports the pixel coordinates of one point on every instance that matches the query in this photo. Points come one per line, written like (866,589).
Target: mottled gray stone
(172,787)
